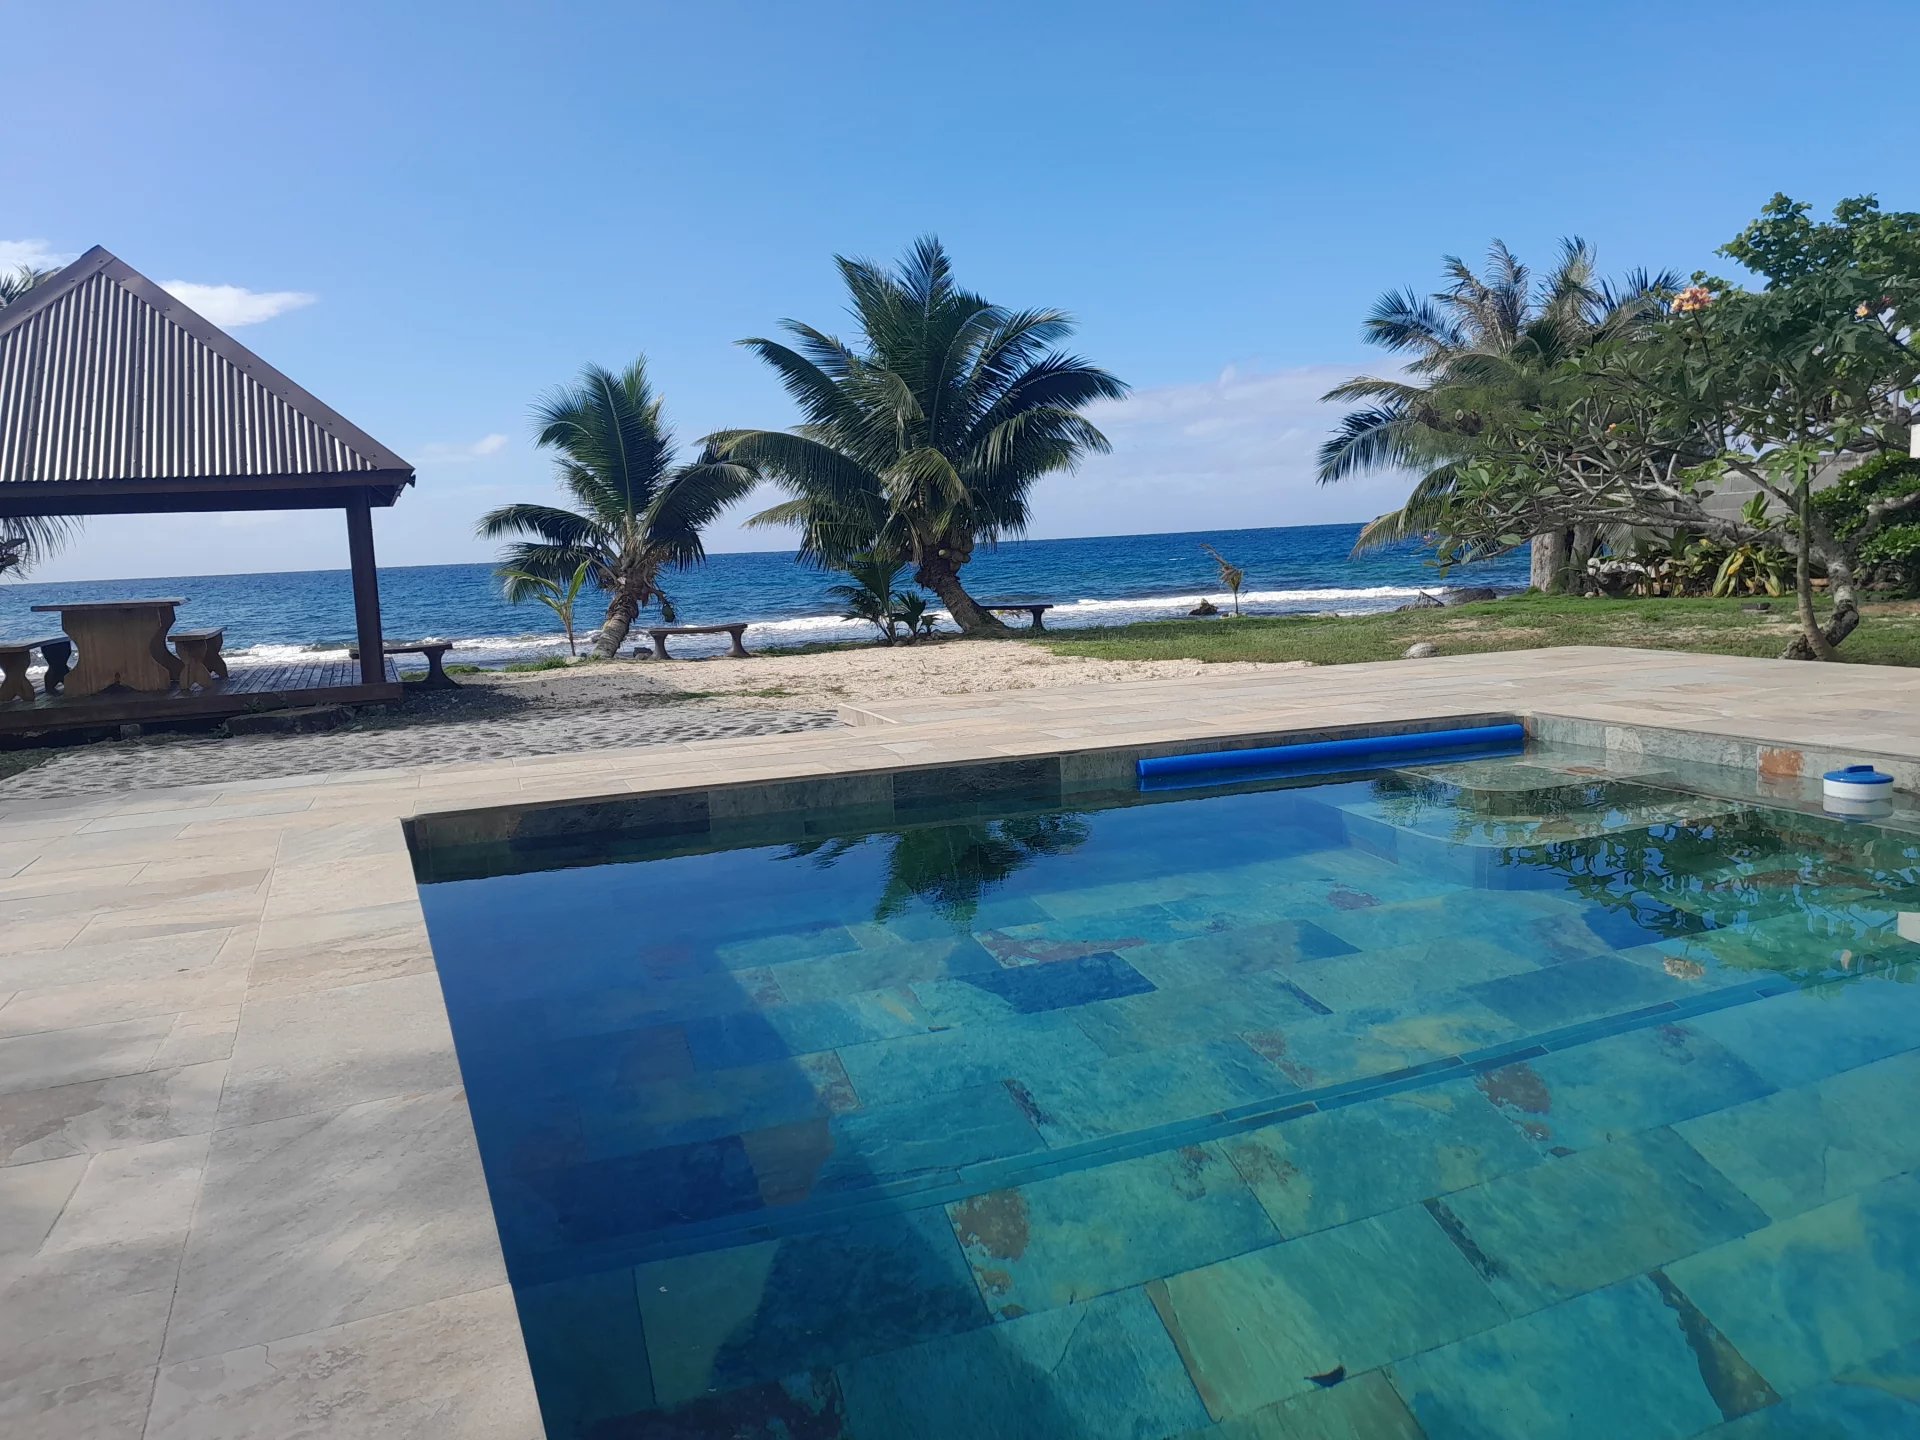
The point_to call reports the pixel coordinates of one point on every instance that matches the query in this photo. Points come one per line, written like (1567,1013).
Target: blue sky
(445,209)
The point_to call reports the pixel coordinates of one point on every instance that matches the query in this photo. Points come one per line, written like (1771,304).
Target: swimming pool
(1514,1097)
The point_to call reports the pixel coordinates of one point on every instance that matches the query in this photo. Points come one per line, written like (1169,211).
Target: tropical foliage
(25,539)
(1466,344)
(1771,391)
(560,599)
(638,514)
(924,435)
(1231,575)
(867,593)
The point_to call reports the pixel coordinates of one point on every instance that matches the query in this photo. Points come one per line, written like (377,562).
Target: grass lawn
(1889,634)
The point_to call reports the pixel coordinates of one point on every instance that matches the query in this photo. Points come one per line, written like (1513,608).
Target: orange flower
(1691,299)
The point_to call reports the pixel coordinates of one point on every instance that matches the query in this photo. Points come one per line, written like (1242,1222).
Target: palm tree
(926,435)
(23,279)
(867,594)
(1479,328)
(26,539)
(639,513)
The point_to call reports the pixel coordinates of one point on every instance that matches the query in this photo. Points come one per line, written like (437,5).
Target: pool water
(1507,1098)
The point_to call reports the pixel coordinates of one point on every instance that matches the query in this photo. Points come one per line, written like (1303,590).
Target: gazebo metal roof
(116,398)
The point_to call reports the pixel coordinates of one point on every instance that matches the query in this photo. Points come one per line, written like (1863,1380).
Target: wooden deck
(250,687)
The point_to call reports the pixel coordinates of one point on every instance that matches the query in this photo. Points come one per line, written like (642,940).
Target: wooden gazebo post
(366,589)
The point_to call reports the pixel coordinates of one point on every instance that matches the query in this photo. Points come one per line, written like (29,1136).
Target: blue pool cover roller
(1317,754)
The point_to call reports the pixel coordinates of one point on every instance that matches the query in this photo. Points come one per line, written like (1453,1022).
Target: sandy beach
(607,705)
(822,680)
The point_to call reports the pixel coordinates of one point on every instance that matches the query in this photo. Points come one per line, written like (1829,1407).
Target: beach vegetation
(910,609)
(637,511)
(1231,575)
(1729,626)
(1479,335)
(1772,391)
(521,587)
(867,593)
(925,433)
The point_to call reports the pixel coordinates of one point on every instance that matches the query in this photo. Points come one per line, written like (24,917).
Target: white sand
(820,681)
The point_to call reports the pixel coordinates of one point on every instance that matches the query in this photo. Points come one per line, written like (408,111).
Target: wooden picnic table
(121,642)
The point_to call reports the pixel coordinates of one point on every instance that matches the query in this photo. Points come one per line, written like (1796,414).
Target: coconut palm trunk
(623,608)
(939,574)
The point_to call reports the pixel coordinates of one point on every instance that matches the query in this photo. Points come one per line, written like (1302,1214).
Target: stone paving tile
(1822,1292)
(1800,1148)
(324,1218)
(1101,1368)
(31,1199)
(1550,1232)
(114,1408)
(1577,990)
(891,1071)
(338,1047)
(1792,1039)
(1094,1231)
(727,1318)
(1618,1085)
(430,1372)
(1326,1169)
(96,1115)
(1258,1328)
(1611,1363)
(90,1052)
(1363,1408)
(1072,1103)
(1877,1400)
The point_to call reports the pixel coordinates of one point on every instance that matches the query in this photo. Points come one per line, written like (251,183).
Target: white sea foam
(494,650)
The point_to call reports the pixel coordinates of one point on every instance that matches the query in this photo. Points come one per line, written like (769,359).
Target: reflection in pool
(1502,1098)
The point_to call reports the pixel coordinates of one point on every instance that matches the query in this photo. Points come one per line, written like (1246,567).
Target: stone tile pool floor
(1505,1098)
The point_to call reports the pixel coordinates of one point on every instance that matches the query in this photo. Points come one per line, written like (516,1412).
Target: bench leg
(739,650)
(1036,621)
(437,677)
(14,684)
(59,657)
(193,664)
(659,645)
(215,661)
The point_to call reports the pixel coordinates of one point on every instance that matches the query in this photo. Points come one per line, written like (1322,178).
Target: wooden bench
(1035,608)
(17,655)
(200,657)
(732,632)
(433,650)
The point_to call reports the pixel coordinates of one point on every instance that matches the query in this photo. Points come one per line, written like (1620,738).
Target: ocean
(1104,580)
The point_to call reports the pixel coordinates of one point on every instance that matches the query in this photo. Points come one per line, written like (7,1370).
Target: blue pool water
(1505,1098)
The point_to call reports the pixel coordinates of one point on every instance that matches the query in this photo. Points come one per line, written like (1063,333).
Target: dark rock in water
(1205,607)
(1425,602)
(1471,595)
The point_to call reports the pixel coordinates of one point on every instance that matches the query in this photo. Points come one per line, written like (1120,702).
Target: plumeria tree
(1775,388)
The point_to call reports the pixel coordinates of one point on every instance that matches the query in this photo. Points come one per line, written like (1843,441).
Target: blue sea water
(1101,580)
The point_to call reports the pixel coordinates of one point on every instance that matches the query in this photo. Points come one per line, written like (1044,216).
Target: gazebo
(117,399)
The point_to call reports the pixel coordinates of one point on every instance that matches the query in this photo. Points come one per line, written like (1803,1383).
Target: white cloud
(442,452)
(1235,451)
(37,253)
(231,306)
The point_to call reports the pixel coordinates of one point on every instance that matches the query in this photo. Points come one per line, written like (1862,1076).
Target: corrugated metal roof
(105,376)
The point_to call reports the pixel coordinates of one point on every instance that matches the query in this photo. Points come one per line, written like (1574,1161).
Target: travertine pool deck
(239,1189)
